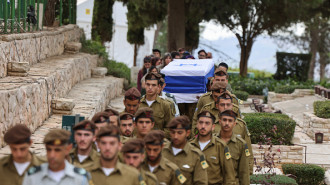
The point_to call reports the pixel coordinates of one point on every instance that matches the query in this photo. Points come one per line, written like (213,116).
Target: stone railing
(313,124)
(278,97)
(283,154)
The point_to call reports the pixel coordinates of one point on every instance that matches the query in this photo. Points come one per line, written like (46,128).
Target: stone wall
(278,97)
(283,154)
(34,47)
(313,124)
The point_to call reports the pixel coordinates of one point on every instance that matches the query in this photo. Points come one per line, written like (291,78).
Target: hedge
(306,174)
(272,179)
(118,69)
(261,126)
(322,109)
(288,89)
(242,95)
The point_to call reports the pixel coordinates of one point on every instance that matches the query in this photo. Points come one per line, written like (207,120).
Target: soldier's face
(109,147)
(215,95)
(127,127)
(152,87)
(205,126)
(131,106)
(154,152)
(113,120)
(56,156)
(84,139)
(221,79)
(20,152)
(225,104)
(156,54)
(99,126)
(179,137)
(134,159)
(227,123)
(144,126)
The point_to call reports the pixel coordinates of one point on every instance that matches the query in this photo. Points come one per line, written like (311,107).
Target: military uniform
(237,150)
(149,177)
(8,172)
(220,170)
(93,157)
(167,172)
(171,98)
(40,175)
(122,174)
(191,162)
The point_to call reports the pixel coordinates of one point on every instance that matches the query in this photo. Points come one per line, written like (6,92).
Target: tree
(102,20)
(248,19)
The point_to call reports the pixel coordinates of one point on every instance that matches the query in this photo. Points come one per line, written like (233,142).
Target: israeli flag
(187,78)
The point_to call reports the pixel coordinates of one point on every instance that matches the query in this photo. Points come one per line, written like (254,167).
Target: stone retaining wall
(27,100)
(34,47)
(284,154)
(278,97)
(313,124)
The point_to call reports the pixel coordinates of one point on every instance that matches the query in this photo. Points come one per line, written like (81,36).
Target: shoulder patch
(246,149)
(141,180)
(33,170)
(203,162)
(180,176)
(227,153)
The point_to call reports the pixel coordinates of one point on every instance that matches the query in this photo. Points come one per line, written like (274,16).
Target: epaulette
(241,139)
(217,139)
(244,125)
(141,180)
(227,153)
(206,105)
(246,148)
(182,179)
(81,171)
(33,170)
(205,94)
(203,161)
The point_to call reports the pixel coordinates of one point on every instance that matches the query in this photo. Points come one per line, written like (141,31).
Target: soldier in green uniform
(190,160)
(144,122)
(84,155)
(100,119)
(169,97)
(126,124)
(241,129)
(109,170)
(58,171)
(113,116)
(161,108)
(220,170)
(166,171)
(132,100)
(133,151)
(221,75)
(237,149)
(13,167)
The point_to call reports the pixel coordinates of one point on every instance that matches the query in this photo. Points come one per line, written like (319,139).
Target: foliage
(292,65)
(272,179)
(306,173)
(118,69)
(94,47)
(102,20)
(288,89)
(257,73)
(322,109)
(161,41)
(277,128)
(242,95)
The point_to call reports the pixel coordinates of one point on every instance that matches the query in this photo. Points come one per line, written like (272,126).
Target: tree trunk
(135,54)
(50,13)
(160,25)
(246,47)
(313,49)
(176,24)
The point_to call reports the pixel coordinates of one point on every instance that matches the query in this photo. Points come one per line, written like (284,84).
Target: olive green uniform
(238,152)
(167,172)
(8,172)
(220,170)
(92,158)
(191,162)
(122,174)
(162,112)
(149,177)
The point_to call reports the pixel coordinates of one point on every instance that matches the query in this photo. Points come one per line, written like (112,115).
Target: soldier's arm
(251,158)
(168,114)
(227,168)
(26,180)
(200,174)
(243,167)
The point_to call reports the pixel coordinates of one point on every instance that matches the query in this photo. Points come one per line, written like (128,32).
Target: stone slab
(99,72)
(21,67)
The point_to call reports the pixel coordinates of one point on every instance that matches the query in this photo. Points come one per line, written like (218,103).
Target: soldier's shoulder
(241,121)
(81,171)
(169,95)
(218,140)
(170,164)
(34,170)
(206,94)
(195,150)
(207,106)
(4,160)
(40,159)
(129,169)
(151,176)
(240,139)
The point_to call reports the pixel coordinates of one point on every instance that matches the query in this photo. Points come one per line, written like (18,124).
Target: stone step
(90,96)
(27,100)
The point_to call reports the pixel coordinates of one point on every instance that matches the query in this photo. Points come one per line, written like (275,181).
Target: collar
(195,141)
(92,154)
(118,167)
(144,99)
(185,148)
(9,160)
(68,170)
(232,138)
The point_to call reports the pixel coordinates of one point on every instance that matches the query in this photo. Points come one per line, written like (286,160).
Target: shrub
(280,128)
(94,47)
(306,173)
(288,89)
(272,179)
(242,95)
(322,109)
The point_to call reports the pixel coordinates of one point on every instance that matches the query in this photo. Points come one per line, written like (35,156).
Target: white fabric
(152,168)
(107,171)
(203,145)
(97,148)
(56,176)
(186,97)
(176,150)
(82,157)
(149,102)
(188,67)
(21,167)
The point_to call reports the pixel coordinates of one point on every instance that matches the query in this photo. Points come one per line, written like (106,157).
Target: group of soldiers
(147,143)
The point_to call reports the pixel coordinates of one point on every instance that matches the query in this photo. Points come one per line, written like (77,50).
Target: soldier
(220,74)
(113,116)
(13,167)
(109,170)
(100,119)
(161,108)
(237,149)
(132,100)
(241,129)
(144,122)
(190,160)
(167,172)
(84,155)
(133,151)
(58,170)
(169,97)
(220,170)
(126,124)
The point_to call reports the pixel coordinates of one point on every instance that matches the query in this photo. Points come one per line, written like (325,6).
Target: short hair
(224,96)
(181,49)
(173,54)
(181,120)
(202,50)
(147,59)
(223,64)
(109,130)
(101,117)
(153,67)
(153,61)
(156,50)
(229,113)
